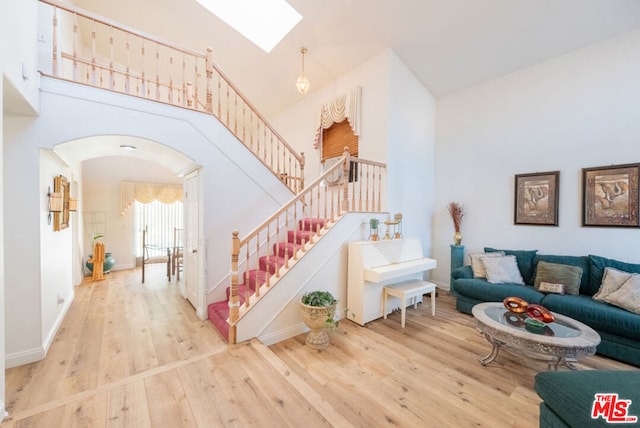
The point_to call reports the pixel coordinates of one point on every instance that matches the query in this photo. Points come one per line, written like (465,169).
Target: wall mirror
(61,186)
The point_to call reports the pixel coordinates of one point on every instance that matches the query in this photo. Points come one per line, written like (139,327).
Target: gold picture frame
(536,198)
(610,196)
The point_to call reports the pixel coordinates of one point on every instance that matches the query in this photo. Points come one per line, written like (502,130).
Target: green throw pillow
(556,273)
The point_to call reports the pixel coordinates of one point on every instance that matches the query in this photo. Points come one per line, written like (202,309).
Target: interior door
(193,244)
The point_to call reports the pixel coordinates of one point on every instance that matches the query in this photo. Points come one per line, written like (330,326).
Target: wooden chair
(177,254)
(152,254)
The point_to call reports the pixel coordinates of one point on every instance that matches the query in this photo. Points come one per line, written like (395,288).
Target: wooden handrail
(364,192)
(258,114)
(292,201)
(167,73)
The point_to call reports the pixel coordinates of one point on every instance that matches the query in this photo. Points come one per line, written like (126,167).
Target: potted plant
(318,311)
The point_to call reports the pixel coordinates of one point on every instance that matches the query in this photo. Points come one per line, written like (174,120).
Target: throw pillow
(627,296)
(524,259)
(549,287)
(559,274)
(582,261)
(611,281)
(476,263)
(597,265)
(502,270)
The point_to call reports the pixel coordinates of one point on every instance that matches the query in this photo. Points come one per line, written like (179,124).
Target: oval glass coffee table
(563,341)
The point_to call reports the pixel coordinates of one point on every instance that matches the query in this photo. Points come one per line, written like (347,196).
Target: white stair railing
(95,51)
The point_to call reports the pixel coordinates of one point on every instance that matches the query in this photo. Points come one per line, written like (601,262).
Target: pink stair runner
(219,311)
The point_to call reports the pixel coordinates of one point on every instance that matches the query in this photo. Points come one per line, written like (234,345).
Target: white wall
(56,249)
(22,270)
(2,317)
(397,129)
(239,191)
(579,110)
(298,123)
(18,52)
(324,267)
(36,309)
(411,152)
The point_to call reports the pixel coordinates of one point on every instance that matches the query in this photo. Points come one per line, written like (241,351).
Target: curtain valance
(149,192)
(346,106)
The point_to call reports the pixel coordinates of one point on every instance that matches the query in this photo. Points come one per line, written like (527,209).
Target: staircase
(136,64)
(88,49)
(268,265)
(276,246)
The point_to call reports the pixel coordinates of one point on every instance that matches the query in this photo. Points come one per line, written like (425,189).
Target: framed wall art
(610,196)
(536,198)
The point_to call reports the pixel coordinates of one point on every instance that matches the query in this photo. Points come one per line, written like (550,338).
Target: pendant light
(303,83)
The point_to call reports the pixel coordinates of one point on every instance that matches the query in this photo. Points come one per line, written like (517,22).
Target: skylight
(264,22)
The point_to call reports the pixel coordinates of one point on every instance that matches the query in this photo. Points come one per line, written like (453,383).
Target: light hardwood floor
(134,355)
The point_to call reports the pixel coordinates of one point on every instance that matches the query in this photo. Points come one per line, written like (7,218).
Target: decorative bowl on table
(534,325)
(515,304)
(540,313)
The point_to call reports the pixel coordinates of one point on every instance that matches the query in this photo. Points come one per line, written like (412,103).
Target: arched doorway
(103,163)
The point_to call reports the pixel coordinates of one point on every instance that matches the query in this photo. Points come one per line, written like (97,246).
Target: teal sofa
(619,329)
(568,398)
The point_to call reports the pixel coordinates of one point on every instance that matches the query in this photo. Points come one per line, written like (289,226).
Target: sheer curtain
(160,218)
(156,206)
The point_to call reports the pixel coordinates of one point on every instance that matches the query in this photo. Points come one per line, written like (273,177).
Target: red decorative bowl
(515,304)
(540,313)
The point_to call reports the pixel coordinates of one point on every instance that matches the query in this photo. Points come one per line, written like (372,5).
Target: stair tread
(271,263)
(312,223)
(255,277)
(242,291)
(218,313)
(283,249)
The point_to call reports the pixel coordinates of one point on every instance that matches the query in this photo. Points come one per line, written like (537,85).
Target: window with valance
(339,125)
(148,192)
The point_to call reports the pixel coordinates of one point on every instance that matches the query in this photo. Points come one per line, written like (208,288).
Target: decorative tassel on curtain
(148,192)
(346,106)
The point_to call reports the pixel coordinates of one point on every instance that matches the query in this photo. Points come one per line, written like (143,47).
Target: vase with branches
(456,210)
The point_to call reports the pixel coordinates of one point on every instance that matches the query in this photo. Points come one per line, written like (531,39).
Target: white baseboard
(39,353)
(286,333)
(56,325)
(24,357)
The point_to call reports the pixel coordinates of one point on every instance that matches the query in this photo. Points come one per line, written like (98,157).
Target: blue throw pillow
(596,270)
(524,259)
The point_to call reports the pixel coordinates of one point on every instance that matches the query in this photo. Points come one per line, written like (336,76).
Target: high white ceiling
(447,44)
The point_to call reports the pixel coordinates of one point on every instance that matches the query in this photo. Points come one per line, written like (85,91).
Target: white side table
(412,290)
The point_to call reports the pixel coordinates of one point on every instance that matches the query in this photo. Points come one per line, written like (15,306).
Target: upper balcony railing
(89,49)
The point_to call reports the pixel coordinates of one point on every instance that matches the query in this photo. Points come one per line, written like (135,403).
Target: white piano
(374,264)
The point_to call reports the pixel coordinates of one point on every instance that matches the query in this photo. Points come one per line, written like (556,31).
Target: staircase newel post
(209,68)
(234,300)
(345,180)
(302,160)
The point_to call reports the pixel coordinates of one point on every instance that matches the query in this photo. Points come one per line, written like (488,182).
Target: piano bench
(412,289)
